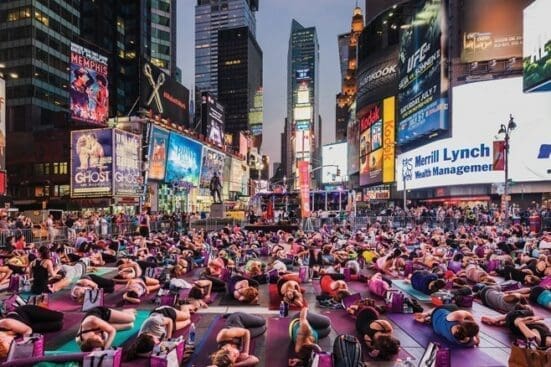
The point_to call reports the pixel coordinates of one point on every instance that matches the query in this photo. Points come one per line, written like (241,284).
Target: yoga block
(217,211)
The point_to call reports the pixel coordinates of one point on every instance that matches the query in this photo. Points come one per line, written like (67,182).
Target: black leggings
(40,319)
(320,323)
(255,324)
(108,285)
(218,285)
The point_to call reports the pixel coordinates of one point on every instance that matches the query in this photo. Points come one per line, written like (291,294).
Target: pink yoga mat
(277,342)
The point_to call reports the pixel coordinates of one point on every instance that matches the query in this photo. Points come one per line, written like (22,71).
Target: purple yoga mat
(65,304)
(423,334)
(207,345)
(277,342)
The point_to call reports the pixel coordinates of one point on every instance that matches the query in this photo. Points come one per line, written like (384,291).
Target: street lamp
(506,130)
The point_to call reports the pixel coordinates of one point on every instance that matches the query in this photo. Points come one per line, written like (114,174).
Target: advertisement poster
(334,157)
(422,97)
(499,155)
(304,186)
(243,145)
(91,163)
(378,76)
(158,148)
(365,143)
(213,162)
(492,29)
(184,160)
(364,170)
(163,95)
(376,135)
(89,90)
(127,163)
(537,47)
(353,138)
(389,139)
(2,124)
(375,169)
(212,114)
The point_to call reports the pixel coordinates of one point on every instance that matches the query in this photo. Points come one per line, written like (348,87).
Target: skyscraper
(210,17)
(239,77)
(302,97)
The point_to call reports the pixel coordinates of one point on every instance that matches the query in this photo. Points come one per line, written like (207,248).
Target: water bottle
(191,334)
(282,309)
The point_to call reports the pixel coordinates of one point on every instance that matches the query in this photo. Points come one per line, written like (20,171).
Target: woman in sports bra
(128,269)
(99,327)
(376,334)
(289,290)
(24,321)
(305,330)
(235,338)
(136,288)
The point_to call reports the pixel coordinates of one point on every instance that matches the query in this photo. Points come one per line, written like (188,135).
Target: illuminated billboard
(334,156)
(184,160)
(256,113)
(91,163)
(213,162)
(158,147)
(2,124)
(89,92)
(353,138)
(468,157)
(302,141)
(370,139)
(491,29)
(212,116)
(303,113)
(537,47)
(389,139)
(378,76)
(126,163)
(423,86)
(302,125)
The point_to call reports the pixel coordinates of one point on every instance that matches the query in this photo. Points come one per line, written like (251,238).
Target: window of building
(63,168)
(38,169)
(39,191)
(64,190)
(41,17)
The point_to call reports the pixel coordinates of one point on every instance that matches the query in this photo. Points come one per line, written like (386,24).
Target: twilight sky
(273,22)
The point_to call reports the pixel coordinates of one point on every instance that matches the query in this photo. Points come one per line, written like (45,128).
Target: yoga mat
(357,287)
(120,338)
(275,300)
(228,300)
(423,334)
(102,270)
(63,304)
(278,342)
(207,345)
(406,287)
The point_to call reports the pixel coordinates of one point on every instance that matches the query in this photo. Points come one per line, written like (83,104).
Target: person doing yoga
(334,287)
(243,289)
(454,325)
(91,281)
(48,278)
(24,321)
(305,330)
(289,290)
(136,288)
(376,334)
(235,338)
(426,282)
(492,297)
(538,295)
(99,327)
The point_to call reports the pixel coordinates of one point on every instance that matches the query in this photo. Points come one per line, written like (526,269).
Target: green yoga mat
(120,338)
(406,287)
(102,270)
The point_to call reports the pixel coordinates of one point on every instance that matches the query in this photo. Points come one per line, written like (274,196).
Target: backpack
(347,351)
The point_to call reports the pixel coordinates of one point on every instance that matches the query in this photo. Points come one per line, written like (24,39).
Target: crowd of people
(508,269)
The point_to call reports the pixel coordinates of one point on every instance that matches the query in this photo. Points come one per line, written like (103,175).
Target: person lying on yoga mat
(492,297)
(91,281)
(305,330)
(216,267)
(334,286)
(235,338)
(540,267)
(128,269)
(454,325)
(180,268)
(426,282)
(243,289)
(387,264)
(523,324)
(476,274)
(356,306)
(254,269)
(137,288)
(99,327)
(50,279)
(377,285)
(289,290)
(538,295)
(376,334)
(160,325)
(525,276)
(26,320)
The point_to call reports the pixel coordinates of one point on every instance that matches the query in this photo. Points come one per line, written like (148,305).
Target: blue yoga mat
(102,270)
(120,338)
(406,287)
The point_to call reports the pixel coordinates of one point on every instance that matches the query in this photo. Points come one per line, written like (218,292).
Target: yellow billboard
(389,139)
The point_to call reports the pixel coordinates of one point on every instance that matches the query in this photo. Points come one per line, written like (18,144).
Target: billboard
(89,92)
(468,156)
(213,161)
(212,115)
(184,160)
(2,124)
(374,168)
(389,139)
(91,163)
(158,147)
(353,138)
(491,29)
(163,95)
(126,163)
(304,186)
(371,120)
(378,76)
(256,113)
(537,47)
(336,156)
(422,90)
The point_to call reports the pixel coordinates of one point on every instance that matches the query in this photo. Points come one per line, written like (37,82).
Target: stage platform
(272,227)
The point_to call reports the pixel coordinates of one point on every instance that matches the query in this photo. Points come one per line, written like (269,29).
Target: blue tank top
(293,331)
(442,326)
(544,299)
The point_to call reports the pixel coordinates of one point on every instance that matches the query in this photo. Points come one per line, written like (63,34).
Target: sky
(273,26)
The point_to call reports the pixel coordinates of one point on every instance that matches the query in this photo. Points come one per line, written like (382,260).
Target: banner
(371,120)
(2,124)
(375,167)
(184,160)
(353,138)
(213,162)
(304,185)
(91,163)
(389,139)
(127,163)
(499,155)
(158,147)
(537,47)
(89,90)
(212,116)
(422,97)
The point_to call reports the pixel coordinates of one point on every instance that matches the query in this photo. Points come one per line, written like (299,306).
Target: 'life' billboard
(127,163)
(184,160)
(158,147)
(89,90)
(423,86)
(91,163)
